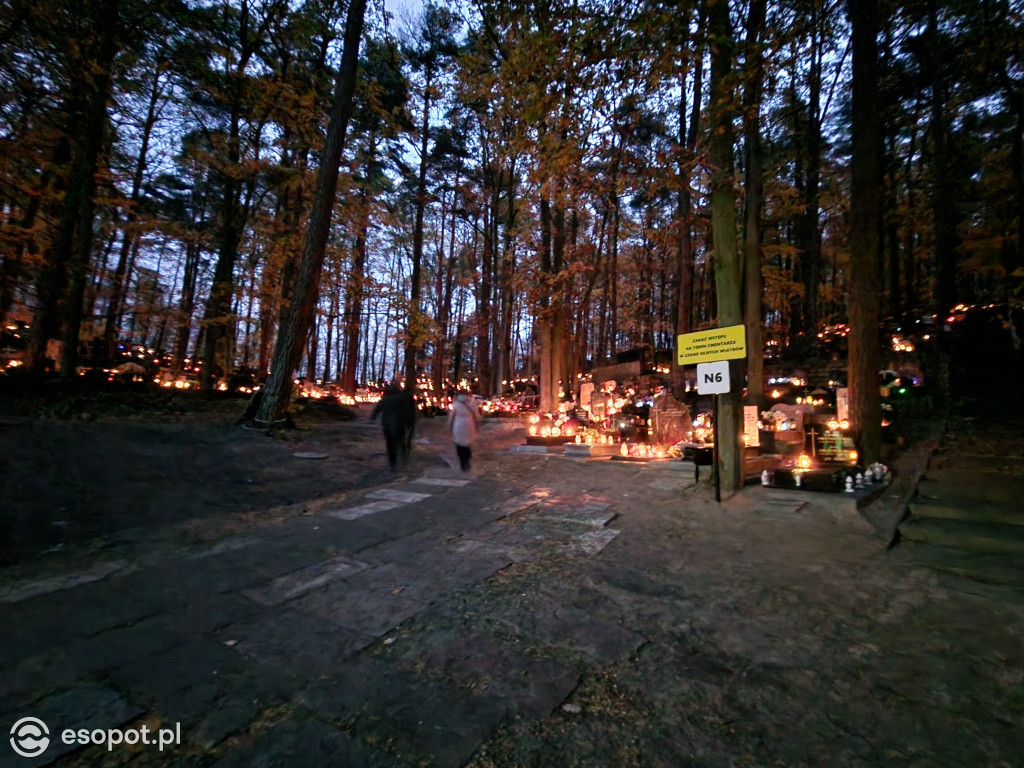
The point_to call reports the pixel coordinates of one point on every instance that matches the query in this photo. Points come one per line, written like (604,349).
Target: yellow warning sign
(729,343)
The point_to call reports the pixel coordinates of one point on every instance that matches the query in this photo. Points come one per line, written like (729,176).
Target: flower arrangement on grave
(703,430)
(773,421)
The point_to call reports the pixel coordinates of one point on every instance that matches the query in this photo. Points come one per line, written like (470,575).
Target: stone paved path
(540,611)
(216,636)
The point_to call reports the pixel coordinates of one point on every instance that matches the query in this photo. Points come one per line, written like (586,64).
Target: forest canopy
(524,188)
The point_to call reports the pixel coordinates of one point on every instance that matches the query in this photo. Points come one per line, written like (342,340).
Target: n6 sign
(713,378)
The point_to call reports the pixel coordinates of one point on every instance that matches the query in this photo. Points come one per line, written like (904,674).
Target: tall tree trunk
(558,320)
(99,276)
(684,205)
(313,346)
(413,340)
(187,304)
(11,269)
(291,336)
(864,281)
(508,266)
(217,318)
(613,281)
(909,267)
(550,326)
(96,128)
(943,199)
(193,252)
(218,303)
(544,322)
(810,239)
(355,290)
(70,255)
(332,315)
(483,308)
(119,278)
(753,284)
(500,371)
(893,286)
(1017,172)
(247,347)
(444,306)
(601,341)
(728,274)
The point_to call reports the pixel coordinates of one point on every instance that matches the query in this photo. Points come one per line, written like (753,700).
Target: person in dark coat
(397,410)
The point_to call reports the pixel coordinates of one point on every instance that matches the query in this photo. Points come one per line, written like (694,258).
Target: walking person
(463,420)
(397,410)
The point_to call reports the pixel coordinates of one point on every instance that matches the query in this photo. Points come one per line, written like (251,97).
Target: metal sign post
(714,454)
(713,379)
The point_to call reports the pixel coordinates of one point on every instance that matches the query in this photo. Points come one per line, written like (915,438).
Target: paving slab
(594,515)
(367,611)
(450,512)
(60,618)
(430,576)
(512,505)
(231,544)
(297,583)
(353,536)
(593,542)
(86,658)
(29,588)
(442,481)
(194,662)
(514,545)
(177,582)
(202,615)
(362,510)
(412,548)
(395,494)
(297,643)
(542,523)
(96,656)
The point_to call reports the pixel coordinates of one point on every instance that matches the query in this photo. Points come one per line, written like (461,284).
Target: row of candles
(642,451)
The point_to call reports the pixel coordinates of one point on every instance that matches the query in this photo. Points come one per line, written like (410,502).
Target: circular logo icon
(30,737)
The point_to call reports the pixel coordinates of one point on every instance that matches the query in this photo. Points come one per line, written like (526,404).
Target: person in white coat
(463,420)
